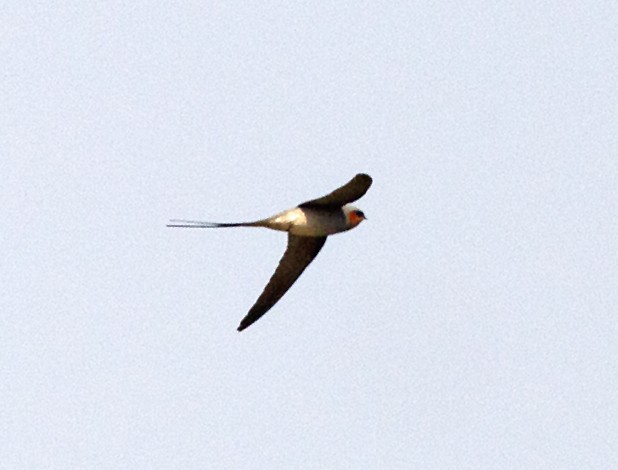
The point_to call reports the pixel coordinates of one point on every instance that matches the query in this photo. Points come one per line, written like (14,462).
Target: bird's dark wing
(298,254)
(349,192)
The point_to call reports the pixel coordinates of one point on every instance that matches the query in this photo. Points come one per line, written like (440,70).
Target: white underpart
(309,222)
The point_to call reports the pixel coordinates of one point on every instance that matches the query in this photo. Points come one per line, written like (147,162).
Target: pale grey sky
(470,323)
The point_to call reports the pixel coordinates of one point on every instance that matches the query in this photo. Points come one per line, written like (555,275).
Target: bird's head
(353,215)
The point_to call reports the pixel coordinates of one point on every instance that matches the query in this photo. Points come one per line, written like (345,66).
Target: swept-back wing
(349,192)
(298,254)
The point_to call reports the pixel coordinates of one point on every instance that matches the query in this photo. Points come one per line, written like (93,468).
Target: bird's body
(307,226)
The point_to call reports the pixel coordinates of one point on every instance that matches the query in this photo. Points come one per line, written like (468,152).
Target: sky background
(469,323)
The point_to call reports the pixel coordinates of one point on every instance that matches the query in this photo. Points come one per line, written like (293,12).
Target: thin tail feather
(199,224)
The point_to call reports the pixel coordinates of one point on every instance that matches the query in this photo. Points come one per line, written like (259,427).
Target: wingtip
(365,177)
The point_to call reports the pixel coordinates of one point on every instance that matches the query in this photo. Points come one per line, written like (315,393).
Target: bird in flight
(307,226)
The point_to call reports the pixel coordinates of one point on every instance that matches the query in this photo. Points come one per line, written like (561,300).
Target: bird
(307,225)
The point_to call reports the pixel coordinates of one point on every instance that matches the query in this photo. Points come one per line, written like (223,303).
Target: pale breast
(318,223)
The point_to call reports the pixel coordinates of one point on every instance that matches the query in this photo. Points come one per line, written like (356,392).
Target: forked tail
(198,224)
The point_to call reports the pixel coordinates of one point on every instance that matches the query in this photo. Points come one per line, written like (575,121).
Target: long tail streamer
(198,224)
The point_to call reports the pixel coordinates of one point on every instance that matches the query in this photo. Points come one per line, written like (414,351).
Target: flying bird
(307,226)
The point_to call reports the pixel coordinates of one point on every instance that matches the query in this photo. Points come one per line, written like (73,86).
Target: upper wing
(299,253)
(349,192)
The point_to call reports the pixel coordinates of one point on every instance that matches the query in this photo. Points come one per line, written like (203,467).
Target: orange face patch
(354,218)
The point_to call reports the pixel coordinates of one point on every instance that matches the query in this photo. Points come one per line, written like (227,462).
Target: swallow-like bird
(307,226)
